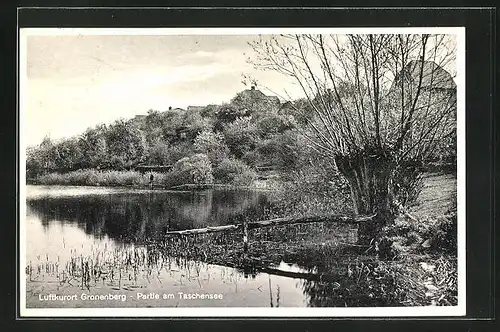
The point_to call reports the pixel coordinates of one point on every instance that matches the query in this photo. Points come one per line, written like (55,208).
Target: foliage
(153,127)
(159,153)
(93,177)
(195,124)
(234,171)
(196,169)
(271,124)
(212,144)
(126,145)
(282,150)
(241,136)
(226,114)
(178,151)
(68,155)
(40,159)
(433,234)
(316,188)
(94,147)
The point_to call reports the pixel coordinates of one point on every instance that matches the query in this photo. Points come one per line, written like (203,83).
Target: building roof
(195,108)
(433,75)
(255,94)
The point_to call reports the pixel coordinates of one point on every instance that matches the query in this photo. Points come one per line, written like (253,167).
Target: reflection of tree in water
(344,280)
(348,292)
(140,217)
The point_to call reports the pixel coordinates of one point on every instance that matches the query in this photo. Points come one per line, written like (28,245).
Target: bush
(273,123)
(443,233)
(158,153)
(430,235)
(195,169)
(241,136)
(212,144)
(178,151)
(282,150)
(233,171)
(252,158)
(315,189)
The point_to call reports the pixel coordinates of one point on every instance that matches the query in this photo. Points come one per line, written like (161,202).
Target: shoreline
(200,187)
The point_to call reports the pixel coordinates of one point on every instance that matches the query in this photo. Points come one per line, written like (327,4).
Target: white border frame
(434,311)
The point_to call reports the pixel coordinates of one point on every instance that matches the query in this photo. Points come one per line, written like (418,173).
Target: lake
(67,226)
(106,247)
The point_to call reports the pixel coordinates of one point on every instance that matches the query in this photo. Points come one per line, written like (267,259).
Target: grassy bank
(112,178)
(92,177)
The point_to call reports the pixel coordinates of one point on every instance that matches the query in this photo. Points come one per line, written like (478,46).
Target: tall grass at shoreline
(337,274)
(110,178)
(93,177)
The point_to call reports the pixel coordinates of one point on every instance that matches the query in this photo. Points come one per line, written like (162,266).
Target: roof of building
(257,94)
(433,75)
(195,108)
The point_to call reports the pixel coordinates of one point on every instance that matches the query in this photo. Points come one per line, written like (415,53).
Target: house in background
(195,108)
(436,94)
(178,109)
(257,95)
(434,77)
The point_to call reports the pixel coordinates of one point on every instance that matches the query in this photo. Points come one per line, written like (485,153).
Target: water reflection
(139,216)
(79,226)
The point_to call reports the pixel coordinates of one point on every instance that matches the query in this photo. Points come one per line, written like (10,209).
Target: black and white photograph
(221,172)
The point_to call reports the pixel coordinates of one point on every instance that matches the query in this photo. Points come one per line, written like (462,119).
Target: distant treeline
(225,142)
(251,130)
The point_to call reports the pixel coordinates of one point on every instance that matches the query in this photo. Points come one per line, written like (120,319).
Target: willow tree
(380,103)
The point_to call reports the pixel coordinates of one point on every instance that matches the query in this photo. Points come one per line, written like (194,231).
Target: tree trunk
(369,175)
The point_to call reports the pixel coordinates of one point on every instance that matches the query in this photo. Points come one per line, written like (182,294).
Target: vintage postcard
(242,172)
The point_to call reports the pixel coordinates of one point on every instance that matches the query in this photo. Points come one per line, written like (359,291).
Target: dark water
(140,215)
(62,222)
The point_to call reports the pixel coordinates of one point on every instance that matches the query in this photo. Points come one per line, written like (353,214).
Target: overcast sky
(77,81)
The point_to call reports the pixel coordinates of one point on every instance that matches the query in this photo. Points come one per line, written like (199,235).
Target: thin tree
(380,102)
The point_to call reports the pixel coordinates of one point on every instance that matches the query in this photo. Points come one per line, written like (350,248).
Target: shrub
(315,189)
(158,153)
(429,235)
(212,144)
(241,136)
(273,123)
(233,171)
(195,169)
(178,151)
(126,145)
(443,233)
(282,150)
(252,158)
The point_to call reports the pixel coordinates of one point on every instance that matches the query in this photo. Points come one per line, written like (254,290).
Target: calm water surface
(64,221)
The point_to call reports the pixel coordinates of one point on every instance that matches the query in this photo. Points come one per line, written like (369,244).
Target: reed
(93,177)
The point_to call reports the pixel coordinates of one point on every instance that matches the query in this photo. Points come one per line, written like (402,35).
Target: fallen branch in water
(276,222)
(205,230)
